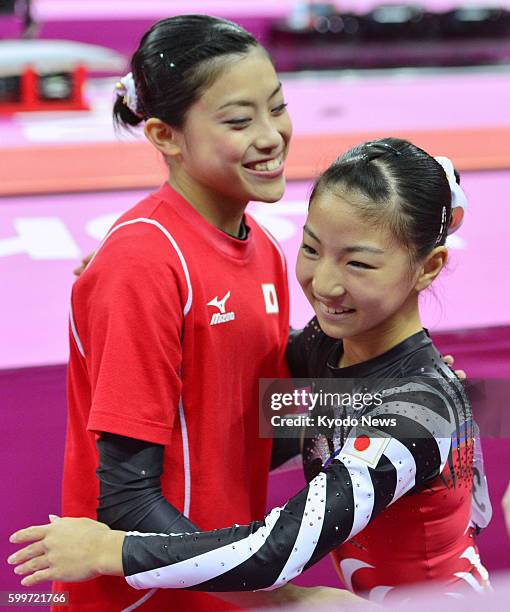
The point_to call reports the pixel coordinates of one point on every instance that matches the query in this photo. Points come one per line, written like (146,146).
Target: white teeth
(329,310)
(273,164)
(333,311)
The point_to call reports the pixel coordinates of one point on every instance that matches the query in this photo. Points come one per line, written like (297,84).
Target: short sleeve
(129,315)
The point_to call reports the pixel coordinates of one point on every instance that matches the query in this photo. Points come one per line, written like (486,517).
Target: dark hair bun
(123,115)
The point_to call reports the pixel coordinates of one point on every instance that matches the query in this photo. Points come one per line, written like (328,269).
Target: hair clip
(126,88)
(459,199)
(169,63)
(443,223)
(385,145)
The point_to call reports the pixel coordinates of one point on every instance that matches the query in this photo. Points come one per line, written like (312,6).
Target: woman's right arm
(128,312)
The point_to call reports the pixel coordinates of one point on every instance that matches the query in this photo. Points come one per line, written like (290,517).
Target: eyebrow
(248,102)
(350,249)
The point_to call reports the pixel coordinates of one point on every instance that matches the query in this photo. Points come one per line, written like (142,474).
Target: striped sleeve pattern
(337,504)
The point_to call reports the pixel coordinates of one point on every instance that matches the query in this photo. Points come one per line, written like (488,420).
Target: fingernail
(11,560)
(17,570)
(53,517)
(13,538)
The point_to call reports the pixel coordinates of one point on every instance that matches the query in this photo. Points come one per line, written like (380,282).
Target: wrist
(109,561)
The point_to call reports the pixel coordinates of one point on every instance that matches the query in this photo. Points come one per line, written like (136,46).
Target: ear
(457,218)
(431,267)
(164,137)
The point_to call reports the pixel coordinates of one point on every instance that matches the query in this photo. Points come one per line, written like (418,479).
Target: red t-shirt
(172,325)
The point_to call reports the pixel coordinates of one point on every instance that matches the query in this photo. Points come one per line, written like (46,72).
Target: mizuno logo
(222,316)
(220,304)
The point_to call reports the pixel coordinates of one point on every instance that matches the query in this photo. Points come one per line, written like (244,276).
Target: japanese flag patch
(366,445)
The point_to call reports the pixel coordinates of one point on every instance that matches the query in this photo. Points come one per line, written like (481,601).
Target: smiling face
(358,280)
(235,137)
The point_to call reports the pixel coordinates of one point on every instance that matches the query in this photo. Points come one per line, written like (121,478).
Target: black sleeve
(405,452)
(130,495)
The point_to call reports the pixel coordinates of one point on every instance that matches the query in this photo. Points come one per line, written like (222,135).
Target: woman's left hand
(84,263)
(449,360)
(68,549)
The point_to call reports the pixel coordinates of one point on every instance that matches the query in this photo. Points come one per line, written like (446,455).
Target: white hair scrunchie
(459,199)
(126,87)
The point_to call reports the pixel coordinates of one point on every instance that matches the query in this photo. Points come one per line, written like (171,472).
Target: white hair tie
(459,199)
(126,87)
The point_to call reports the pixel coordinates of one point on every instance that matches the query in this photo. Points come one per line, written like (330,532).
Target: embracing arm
(338,503)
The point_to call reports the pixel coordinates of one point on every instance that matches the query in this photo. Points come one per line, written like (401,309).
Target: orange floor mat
(104,166)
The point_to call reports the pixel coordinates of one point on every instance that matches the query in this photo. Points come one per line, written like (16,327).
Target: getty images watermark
(317,404)
(331,407)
